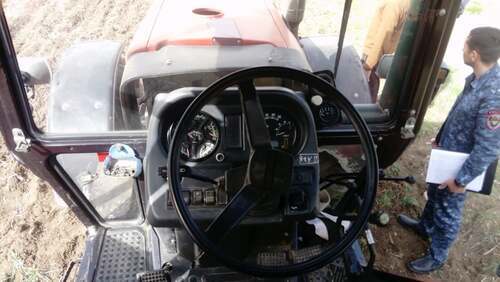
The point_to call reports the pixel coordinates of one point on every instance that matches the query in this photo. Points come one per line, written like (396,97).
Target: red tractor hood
(206,23)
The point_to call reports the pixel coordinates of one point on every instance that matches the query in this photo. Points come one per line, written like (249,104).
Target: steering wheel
(269,171)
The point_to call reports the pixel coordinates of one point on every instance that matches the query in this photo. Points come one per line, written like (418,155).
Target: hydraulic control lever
(408,179)
(340,178)
(185,171)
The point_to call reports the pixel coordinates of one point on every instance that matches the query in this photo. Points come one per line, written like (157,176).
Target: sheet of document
(444,165)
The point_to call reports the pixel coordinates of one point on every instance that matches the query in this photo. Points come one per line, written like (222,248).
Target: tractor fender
(321,52)
(83,93)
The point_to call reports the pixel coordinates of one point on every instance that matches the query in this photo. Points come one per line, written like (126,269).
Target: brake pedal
(153,276)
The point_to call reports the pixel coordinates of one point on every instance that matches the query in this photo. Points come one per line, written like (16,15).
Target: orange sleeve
(383,24)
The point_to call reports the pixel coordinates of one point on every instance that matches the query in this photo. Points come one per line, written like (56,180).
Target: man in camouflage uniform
(472,127)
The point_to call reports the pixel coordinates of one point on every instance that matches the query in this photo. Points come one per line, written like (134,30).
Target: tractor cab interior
(220,144)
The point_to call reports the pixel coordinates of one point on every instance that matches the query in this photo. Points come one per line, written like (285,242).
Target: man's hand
(366,68)
(452,186)
(367,72)
(434,144)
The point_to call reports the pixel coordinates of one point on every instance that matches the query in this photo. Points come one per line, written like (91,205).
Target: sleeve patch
(493,119)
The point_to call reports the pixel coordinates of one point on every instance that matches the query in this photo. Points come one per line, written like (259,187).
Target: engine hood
(206,23)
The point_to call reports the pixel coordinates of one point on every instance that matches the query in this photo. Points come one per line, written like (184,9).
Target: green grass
(21,272)
(474,7)
(394,170)
(324,17)
(409,200)
(386,198)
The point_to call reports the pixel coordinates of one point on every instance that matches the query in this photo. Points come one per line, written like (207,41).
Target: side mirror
(34,70)
(444,70)
(384,65)
(442,75)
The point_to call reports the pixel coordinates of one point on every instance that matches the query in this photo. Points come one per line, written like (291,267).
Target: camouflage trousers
(441,219)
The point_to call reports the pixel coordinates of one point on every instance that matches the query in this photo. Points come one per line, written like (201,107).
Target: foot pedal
(272,258)
(153,276)
(334,272)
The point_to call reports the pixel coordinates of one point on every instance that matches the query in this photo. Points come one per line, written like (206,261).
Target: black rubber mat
(123,255)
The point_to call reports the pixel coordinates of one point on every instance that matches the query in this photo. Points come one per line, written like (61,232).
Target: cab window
(86,72)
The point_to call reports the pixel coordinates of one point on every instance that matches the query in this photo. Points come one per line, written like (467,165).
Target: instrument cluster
(206,133)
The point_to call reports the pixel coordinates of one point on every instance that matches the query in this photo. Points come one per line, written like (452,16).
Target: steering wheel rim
(333,251)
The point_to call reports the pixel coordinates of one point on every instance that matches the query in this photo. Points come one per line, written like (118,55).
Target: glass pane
(114,198)
(108,63)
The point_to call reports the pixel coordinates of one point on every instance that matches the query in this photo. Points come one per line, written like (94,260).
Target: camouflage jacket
(473,124)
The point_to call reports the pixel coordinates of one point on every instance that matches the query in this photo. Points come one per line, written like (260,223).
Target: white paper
(345,223)
(444,165)
(319,227)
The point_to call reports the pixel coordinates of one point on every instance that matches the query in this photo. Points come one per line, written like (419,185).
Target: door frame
(15,111)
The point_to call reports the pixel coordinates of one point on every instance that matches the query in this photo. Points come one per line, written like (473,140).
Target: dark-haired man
(473,127)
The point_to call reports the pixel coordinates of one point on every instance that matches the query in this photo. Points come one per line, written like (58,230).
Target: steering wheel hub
(270,170)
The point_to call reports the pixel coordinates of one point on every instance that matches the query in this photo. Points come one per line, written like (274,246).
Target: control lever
(371,249)
(408,179)
(185,171)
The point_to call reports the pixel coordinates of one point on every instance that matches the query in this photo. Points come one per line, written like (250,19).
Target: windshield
(89,68)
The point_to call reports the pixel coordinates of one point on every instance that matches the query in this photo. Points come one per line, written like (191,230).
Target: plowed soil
(38,237)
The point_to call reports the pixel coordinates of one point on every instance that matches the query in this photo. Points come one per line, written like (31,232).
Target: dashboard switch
(186,196)
(297,201)
(162,171)
(221,197)
(197,197)
(209,197)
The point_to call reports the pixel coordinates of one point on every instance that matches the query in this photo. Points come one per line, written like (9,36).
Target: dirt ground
(476,254)
(38,238)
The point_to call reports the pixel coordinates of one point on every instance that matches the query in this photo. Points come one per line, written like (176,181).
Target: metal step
(122,256)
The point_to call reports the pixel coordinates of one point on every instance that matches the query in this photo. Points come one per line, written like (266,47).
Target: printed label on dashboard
(308,159)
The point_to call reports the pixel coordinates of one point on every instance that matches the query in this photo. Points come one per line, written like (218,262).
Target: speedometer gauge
(282,130)
(202,138)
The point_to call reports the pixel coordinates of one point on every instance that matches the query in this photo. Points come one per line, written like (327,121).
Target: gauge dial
(328,114)
(282,130)
(202,138)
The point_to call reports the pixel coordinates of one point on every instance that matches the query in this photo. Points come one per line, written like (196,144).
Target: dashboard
(215,152)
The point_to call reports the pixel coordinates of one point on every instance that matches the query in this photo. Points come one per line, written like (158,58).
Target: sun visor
(207,63)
